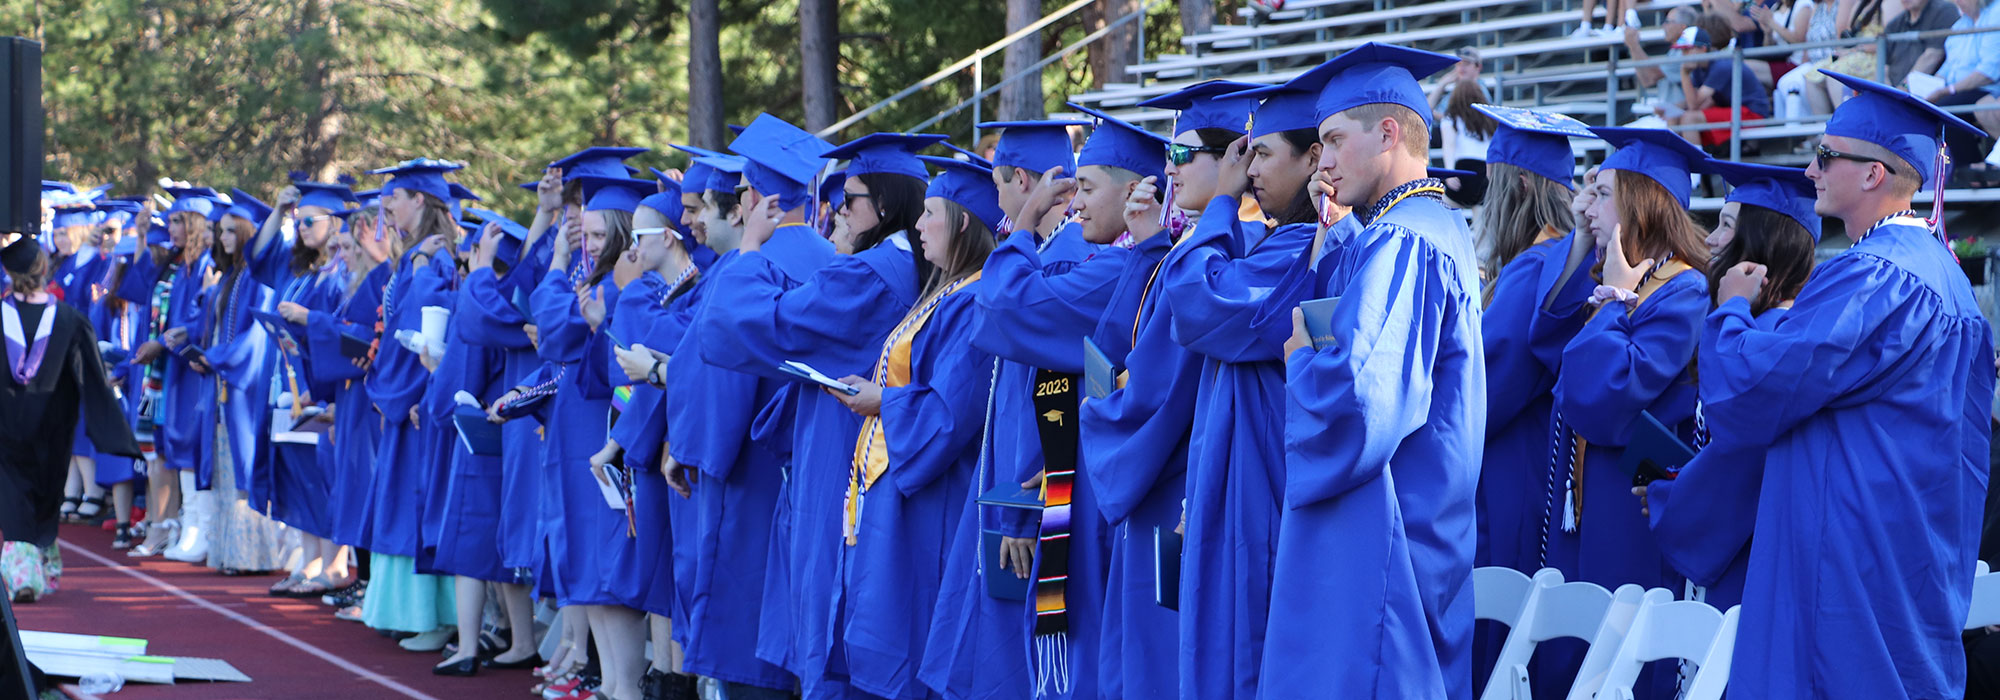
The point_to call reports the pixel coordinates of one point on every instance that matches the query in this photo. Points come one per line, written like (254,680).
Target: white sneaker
(1583,31)
(1610,31)
(1631,18)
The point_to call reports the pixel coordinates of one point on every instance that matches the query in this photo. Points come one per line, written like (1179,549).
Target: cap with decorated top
(1215,104)
(1035,146)
(891,153)
(969,185)
(1117,143)
(781,160)
(1537,142)
(424,175)
(1660,155)
(1786,191)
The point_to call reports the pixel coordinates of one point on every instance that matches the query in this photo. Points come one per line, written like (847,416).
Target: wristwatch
(653,376)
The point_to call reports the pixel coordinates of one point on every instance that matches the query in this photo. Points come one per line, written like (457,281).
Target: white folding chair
(1611,633)
(1499,593)
(1713,673)
(1667,629)
(1985,608)
(1555,610)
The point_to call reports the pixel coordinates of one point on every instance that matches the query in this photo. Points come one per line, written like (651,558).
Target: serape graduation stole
(892,369)
(154,383)
(1056,400)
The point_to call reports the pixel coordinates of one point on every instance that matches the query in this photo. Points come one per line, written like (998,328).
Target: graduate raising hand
(1142,210)
(1054,187)
(1745,280)
(1617,273)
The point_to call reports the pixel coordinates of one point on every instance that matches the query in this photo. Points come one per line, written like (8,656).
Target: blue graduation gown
(123,325)
(472,517)
(585,525)
(1873,393)
(488,317)
(1383,433)
(836,322)
(1235,455)
(1619,365)
(644,572)
(721,561)
(182,409)
(931,429)
(301,486)
(243,357)
(357,428)
(396,383)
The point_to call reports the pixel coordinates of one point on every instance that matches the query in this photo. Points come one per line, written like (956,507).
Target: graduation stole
(24,356)
(154,382)
(1656,278)
(1056,400)
(892,369)
(223,329)
(381,315)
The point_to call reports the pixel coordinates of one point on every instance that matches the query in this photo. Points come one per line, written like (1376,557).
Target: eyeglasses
(849,198)
(1822,154)
(1182,154)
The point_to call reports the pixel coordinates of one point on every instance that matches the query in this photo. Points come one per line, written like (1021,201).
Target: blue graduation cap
(1907,125)
(696,151)
(158,234)
(460,193)
(75,216)
(126,246)
(1117,143)
(668,203)
(1283,110)
(1660,155)
(247,207)
(1372,73)
(970,185)
(57,186)
(695,178)
(332,197)
(1035,146)
(737,129)
(781,160)
(1444,173)
(124,210)
(424,175)
(510,249)
(833,189)
(614,193)
(1537,142)
(1784,190)
(723,174)
(597,161)
(200,200)
(970,157)
(362,200)
(1209,105)
(891,153)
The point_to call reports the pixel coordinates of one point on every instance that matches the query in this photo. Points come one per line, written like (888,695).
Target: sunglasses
(310,220)
(1822,154)
(1182,154)
(852,197)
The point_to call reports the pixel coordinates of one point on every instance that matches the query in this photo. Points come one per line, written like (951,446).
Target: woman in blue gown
(1704,516)
(733,482)
(414,205)
(1134,441)
(243,356)
(82,236)
(923,411)
(118,322)
(302,272)
(169,284)
(337,348)
(836,321)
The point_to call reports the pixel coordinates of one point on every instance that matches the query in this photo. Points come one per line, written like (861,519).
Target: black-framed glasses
(1822,154)
(849,198)
(1183,154)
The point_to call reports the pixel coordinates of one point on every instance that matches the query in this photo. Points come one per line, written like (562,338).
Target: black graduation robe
(38,423)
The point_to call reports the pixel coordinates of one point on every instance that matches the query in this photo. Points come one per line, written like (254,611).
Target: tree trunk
(324,125)
(1022,99)
(705,104)
(819,48)
(1111,54)
(1197,16)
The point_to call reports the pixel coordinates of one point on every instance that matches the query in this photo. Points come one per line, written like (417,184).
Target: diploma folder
(1319,320)
(1099,377)
(479,436)
(1654,453)
(1167,567)
(354,347)
(806,372)
(1002,583)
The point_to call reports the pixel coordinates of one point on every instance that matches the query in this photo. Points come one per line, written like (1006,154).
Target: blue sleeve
(272,265)
(835,322)
(1989,49)
(1704,516)
(595,376)
(1838,339)
(560,332)
(1119,324)
(1561,312)
(1619,364)
(486,317)
(1516,373)
(1036,318)
(1218,296)
(929,425)
(136,286)
(1348,406)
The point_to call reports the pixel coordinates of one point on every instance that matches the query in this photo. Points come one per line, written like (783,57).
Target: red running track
(291,648)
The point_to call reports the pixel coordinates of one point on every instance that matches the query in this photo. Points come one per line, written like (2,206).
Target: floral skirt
(29,570)
(242,538)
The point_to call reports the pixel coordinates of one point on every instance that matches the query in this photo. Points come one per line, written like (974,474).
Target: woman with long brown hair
(1467,133)
(1631,359)
(337,340)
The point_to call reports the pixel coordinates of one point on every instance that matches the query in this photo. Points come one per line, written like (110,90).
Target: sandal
(67,513)
(92,510)
(283,587)
(122,539)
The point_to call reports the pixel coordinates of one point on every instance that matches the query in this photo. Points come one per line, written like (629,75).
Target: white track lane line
(324,655)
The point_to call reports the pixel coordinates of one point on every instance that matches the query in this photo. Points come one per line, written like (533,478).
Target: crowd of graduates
(1228,415)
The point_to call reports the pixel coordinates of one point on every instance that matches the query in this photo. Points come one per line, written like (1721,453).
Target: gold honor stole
(1652,283)
(871,449)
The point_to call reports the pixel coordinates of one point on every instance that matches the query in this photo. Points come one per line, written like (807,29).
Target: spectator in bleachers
(1809,22)
(1923,55)
(1741,18)
(1707,84)
(1467,133)
(1676,26)
(1467,68)
(1611,16)
(1858,19)
(1971,73)
(1785,23)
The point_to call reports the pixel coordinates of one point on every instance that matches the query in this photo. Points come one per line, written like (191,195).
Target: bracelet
(1605,294)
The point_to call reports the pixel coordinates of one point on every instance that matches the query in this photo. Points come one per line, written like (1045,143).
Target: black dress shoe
(468,667)
(529,662)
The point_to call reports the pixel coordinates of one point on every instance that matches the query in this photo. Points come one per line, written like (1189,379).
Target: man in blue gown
(1873,394)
